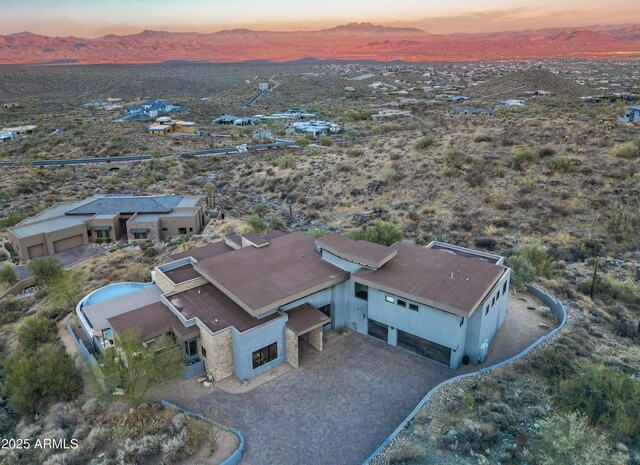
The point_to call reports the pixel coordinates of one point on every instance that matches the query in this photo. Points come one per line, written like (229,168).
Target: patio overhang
(139,230)
(306,318)
(101,228)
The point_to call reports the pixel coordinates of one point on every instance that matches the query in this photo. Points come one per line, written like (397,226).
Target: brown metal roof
(182,273)
(201,253)
(256,239)
(260,280)
(152,321)
(465,254)
(436,278)
(361,252)
(214,309)
(305,318)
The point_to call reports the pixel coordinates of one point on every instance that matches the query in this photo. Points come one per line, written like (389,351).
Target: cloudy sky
(93,18)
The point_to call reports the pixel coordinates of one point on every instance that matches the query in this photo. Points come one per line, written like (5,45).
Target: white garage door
(68,243)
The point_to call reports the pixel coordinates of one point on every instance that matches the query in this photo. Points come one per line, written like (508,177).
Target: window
(493,300)
(164,229)
(486,310)
(461,321)
(402,303)
(139,235)
(362,291)
(498,295)
(191,348)
(182,230)
(390,299)
(102,234)
(89,233)
(190,229)
(504,287)
(413,307)
(265,355)
(203,352)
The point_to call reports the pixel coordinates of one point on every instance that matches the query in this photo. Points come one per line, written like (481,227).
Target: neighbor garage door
(68,243)
(423,347)
(35,250)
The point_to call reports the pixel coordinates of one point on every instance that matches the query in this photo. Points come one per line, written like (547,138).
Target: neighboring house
(457,98)
(151,109)
(512,103)
(315,128)
(20,131)
(471,111)
(106,218)
(235,120)
(11,105)
(632,115)
(389,113)
(166,124)
(240,306)
(538,93)
(263,86)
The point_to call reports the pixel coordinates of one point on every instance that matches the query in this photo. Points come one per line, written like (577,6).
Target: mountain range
(354,41)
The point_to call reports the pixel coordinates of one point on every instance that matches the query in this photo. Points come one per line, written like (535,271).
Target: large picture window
(362,291)
(265,355)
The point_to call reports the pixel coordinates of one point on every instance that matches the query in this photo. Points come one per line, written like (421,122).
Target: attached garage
(420,346)
(378,330)
(68,243)
(35,250)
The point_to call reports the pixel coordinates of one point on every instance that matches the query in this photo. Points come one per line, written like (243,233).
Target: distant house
(632,115)
(390,113)
(106,218)
(10,105)
(235,120)
(20,131)
(166,124)
(457,98)
(151,109)
(512,103)
(316,128)
(263,86)
(240,307)
(225,119)
(538,93)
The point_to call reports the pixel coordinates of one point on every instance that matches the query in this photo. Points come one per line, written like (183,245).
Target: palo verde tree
(381,232)
(140,365)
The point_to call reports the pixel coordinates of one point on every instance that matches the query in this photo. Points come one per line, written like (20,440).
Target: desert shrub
(138,273)
(478,436)
(33,379)
(623,291)
(35,331)
(560,164)
(317,232)
(455,158)
(302,142)
(538,257)
(554,364)
(628,150)
(488,243)
(621,221)
(522,272)
(381,232)
(325,141)
(286,161)
(276,223)
(65,292)
(11,219)
(483,138)
(93,406)
(425,142)
(526,155)
(544,152)
(390,175)
(405,451)
(8,275)
(45,269)
(608,397)
(257,224)
(568,439)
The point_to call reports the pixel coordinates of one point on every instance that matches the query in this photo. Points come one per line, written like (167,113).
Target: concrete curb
(234,458)
(556,307)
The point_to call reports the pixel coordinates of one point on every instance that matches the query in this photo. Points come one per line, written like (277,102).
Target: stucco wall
(219,359)
(244,344)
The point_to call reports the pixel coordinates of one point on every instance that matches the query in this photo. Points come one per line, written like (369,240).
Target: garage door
(420,346)
(68,243)
(378,330)
(35,250)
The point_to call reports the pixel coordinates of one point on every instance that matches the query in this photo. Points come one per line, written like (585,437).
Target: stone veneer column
(292,347)
(219,347)
(315,338)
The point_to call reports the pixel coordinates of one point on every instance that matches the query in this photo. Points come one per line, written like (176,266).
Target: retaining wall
(556,307)
(234,458)
(19,287)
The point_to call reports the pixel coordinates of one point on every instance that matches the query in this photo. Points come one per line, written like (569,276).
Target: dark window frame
(264,355)
(203,351)
(413,307)
(361,291)
(180,231)
(401,303)
(187,348)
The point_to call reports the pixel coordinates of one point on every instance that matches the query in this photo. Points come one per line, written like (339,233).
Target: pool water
(114,290)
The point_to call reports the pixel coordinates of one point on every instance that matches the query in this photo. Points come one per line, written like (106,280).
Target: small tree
(8,275)
(35,378)
(522,272)
(66,291)
(568,439)
(381,232)
(36,331)
(45,269)
(538,258)
(142,366)
(317,232)
(257,224)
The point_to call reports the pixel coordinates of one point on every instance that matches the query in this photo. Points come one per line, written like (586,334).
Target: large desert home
(241,305)
(105,218)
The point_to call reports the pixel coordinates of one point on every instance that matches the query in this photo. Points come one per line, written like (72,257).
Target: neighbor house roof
(152,321)
(438,278)
(214,309)
(263,279)
(362,252)
(111,204)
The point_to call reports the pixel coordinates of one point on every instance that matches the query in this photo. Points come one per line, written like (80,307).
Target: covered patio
(304,321)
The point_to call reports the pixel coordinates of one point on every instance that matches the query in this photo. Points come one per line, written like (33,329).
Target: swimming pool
(113,290)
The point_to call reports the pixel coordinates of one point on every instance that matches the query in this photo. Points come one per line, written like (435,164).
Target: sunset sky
(93,18)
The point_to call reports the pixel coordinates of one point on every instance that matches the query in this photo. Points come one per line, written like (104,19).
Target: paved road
(143,157)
